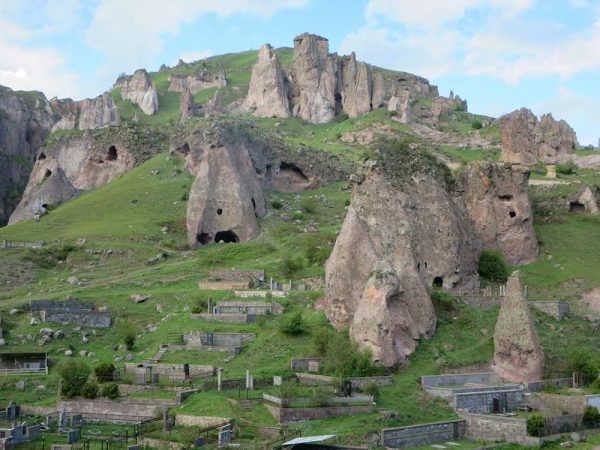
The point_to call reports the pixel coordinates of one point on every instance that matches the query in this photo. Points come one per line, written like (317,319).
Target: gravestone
(313,366)
(76,420)
(62,419)
(277,380)
(12,411)
(199,442)
(73,436)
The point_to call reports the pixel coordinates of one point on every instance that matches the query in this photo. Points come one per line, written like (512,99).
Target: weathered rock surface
(197,82)
(518,356)
(187,106)
(527,141)
(401,105)
(389,252)
(355,86)
(497,198)
(445,105)
(267,94)
(99,112)
(140,90)
(584,201)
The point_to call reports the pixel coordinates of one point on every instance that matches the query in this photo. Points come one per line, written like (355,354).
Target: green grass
(467,155)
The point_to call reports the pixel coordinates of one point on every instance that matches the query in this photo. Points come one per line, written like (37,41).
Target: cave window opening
(100,161)
(47,173)
(576,207)
(505,197)
(226,237)
(419,266)
(287,167)
(438,282)
(512,214)
(45,205)
(42,156)
(111,155)
(219,211)
(203,238)
(426,264)
(253,203)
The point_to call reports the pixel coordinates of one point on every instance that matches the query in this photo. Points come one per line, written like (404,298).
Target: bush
(293,325)
(591,416)
(104,371)
(321,338)
(288,390)
(321,395)
(585,364)
(569,168)
(290,266)
(492,266)
(344,359)
(536,425)
(276,204)
(200,306)
(110,390)
(129,340)
(297,215)
(476,124)
(89,390)
(309,205)
(73,377)
(371,389)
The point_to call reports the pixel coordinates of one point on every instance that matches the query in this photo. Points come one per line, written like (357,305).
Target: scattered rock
(14,311)
(81,241)
(159,308)
(83,353)
(118,358)
(20,385)
(91,355)
(68,352)
(59,334)
(34,321)
(139,298)
(85,340)
(73,281)
(128,357)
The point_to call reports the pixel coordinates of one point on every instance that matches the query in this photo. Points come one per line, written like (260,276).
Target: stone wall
(174,370)
(227,318)
(287,415)
(260,294)
(488,401)
(477,301)
(200,421)
(238,275)
(423,434)
(554,308)
(536,386)
(498,428)
(554,404)
(127,410)
(223,285)
(304,363)
(458,379)
(197,339)
(60,305)
(357,382)
(96,319)
(22,244)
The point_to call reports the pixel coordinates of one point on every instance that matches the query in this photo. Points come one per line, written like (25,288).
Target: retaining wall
(223,285)
(497,428)
(287,415)
(423,434)
(304,363)
(173,370)
(458,379)
(128,410)
(200,421)
(227,318)
(555,308)
(83,318)
(357,382)
(22,244)
(554,404)
(482,402)
(536,386)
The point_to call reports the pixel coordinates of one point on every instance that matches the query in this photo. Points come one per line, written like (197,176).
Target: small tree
(492,266)
(293,324)
(290,266)
(129,340)
(476,124)
(104,371)
(585,364)
(73,377)
(536,425)
(569,168)
(321,395)
(110,390)
(89,390)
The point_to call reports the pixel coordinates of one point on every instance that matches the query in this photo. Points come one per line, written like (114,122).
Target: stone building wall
(96,319)
(423,434)
(487,402)
(555,308)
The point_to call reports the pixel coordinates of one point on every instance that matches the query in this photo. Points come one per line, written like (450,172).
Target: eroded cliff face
(322,85)
(25,120)
(99,112)
(497,198)
(140,90)
(389,252)
(525,140)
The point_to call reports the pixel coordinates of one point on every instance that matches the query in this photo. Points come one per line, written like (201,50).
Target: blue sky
(498,54)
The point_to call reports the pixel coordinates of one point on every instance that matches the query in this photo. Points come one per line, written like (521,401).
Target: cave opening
(419,266)
(253,203)
(226,237)
(219,211)
(438,282)
(47,173)
(42,156)
(45,205)
(512,214)
(111,155)
(293,169)
(203,238)
(505,197)
(576,207)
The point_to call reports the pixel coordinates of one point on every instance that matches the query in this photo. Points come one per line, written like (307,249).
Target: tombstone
(116,375)
(199,442)
(249,381)
(76,419)
(346,389)
(73,436)
(225,435)
(277,380)
(62,419)
(219,378)
(33,432)
(313,366)
(134,447)
(155,378)
(166,424)
(12,411)
(186,371)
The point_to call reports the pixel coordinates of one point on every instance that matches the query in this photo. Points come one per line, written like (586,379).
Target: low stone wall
(555,405)
(37,410)
(197,339)
(223,285)
(477,301)
(158,443)
(83,318)
(423,434)
(536,386)
(174,370)
(458,379)
(554,308)
(289,415)
(485,402)
(497,428)
(127,410)
(227,318)
(22,244)
(238,275)
(200,421)
(304,363)
(260,294)
(60,305)
(357,382)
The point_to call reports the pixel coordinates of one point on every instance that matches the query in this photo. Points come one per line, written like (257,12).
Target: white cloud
(194,56)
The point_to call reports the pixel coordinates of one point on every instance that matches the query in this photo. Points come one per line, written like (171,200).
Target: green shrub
(492,266)
(540,169)
(320,338)
(309,205)
(110,390)
(568,168)
(371,389)
(536,425)
(297,215)
(276,204)
(476,124)
(49,257)
(89,390)
(200,306)
(585,364)
(104,371)
(321,396)
(288,390)
(347,202)
(344,359)
(129,340)
(290,266)
(293,324)
(73,375)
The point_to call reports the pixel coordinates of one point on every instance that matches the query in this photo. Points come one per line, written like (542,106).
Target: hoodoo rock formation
(267,94)
(197,82)
(140,90)
(497,199)
(99,112)
(187,106)
(321,85)
(527,141)
(518,356)
(389,252)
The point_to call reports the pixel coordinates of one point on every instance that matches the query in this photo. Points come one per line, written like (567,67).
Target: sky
(498,54)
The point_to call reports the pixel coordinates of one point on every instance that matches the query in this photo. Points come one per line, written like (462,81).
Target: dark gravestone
(199,442)
(73,436)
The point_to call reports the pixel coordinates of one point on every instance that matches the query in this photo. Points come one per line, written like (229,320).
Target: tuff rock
(140,90)
(99,112)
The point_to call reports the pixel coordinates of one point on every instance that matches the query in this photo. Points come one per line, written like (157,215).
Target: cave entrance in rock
(203,238)
(226,237)
(293,169)
(42,156)
(111,155)
(438,282)
(47,173)
(576,207)
(512,214)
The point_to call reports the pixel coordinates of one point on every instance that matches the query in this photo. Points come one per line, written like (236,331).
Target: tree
(585,364)
(492,266)
(73,377)
(293,324)
(129,340)
(104,371)
(89,390)
(110,390)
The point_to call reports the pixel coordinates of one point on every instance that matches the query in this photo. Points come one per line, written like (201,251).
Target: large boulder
(140,90)
(497,198)
(99,112)
(527,141)
(518,356)
(267,94)
(389,252)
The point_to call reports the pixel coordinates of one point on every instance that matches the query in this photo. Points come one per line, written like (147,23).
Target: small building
(21,363)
